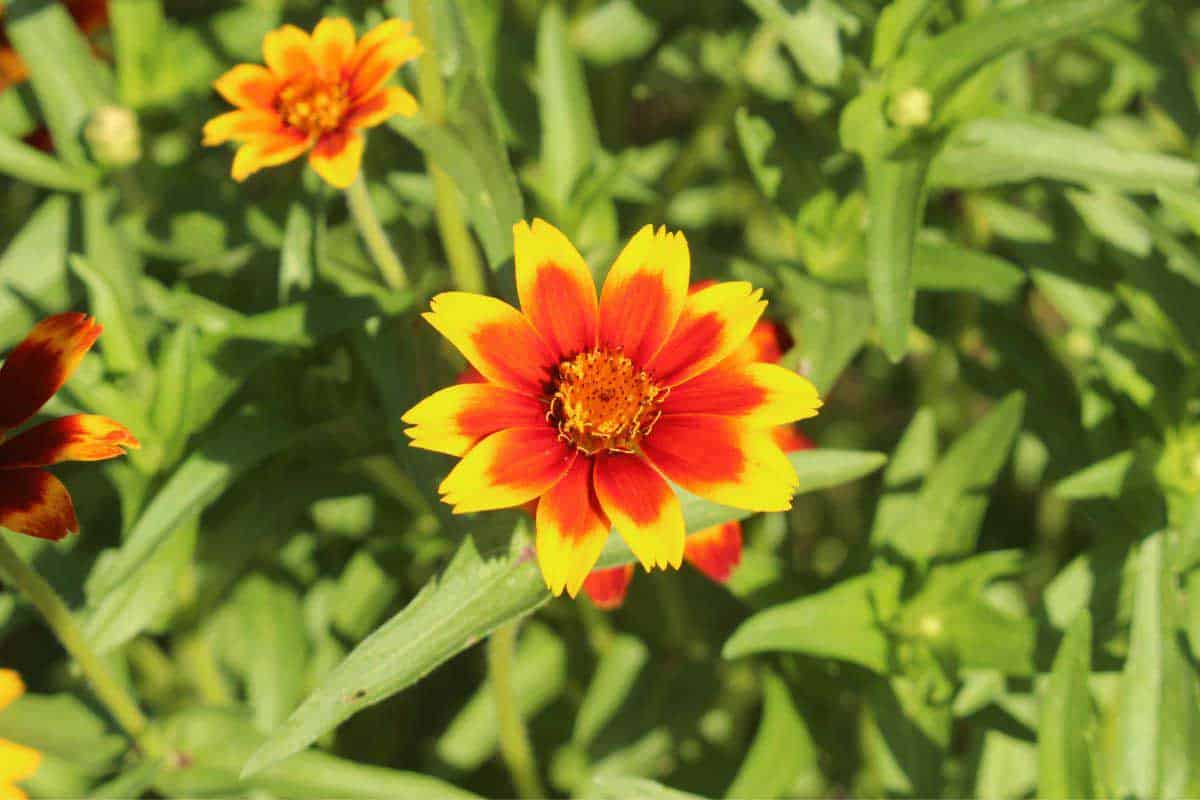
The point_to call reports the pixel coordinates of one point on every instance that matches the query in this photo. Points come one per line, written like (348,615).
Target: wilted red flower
(32,501)
(592,404)
(89,15)
(315,95)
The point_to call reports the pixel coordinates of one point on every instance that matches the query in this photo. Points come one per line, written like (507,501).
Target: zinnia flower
(315,95)
(17,762)
(715,551)
(32,501)
(592,405)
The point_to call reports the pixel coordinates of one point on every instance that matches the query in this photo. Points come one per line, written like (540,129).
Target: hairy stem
(466,268)
(515,748)
(390,267)
(62,622)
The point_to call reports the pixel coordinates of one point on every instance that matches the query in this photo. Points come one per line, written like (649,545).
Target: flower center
(603,401)
(313,105)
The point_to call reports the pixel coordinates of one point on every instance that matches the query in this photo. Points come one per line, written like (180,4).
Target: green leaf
(811,37)
(539,677)
(947,511)
(942,63)
(609,786)
(1018,148)
(68,80)
(897,23)
(31,165)
(244,441)
(782,750)
(844,622)
(896,198)
(130,608)
(1065,726)
(297,258)
(834,325)
(569,137)
(1158,719)
(169,412)
(942,266)
(138,28)
(616,674)
(63,727)
(121,346)
(41,241)
(1105,478)
(756,137)
(612,32)
(217,743)
(270,616)
(473,597)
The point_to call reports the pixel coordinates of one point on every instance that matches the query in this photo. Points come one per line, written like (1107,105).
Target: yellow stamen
(313,105)
(603,401)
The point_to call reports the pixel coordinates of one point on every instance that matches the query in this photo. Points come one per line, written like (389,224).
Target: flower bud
(113,136)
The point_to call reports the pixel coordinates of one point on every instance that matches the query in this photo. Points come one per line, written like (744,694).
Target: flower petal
(642,507)
(286,51)
(35,503)
(762,394)
(768,341)
(11,687)
(791,440)
(715,551)
(40,364)
(715,322)
(268,151)
(454,419)
(606,588)
(374,109)
(79,437)
(571,530)
(380,52)
(240,125)
(495,338)
(17,763)
(644,293)
(506,469)
(337,156)
(249,86)
(556,289)
(332,44)
(723,460)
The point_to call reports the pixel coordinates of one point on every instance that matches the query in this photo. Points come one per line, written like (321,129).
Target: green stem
(391,268)
(56,614)
(466,268)
(514,739)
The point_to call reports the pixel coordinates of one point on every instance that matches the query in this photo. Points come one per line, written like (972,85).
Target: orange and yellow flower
(315,95)
(32,501)
(17,762)
(715,551)
(593,403)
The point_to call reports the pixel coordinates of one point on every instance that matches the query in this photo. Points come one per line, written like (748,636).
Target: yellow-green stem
(390,267)
(466,267)
(515,748)
(62,622)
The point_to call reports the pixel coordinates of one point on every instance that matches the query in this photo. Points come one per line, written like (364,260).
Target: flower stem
(56,614)
(391,268)
(466,268)
(514,739)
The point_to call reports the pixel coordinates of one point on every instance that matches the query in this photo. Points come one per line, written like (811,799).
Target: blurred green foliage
(979,221)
